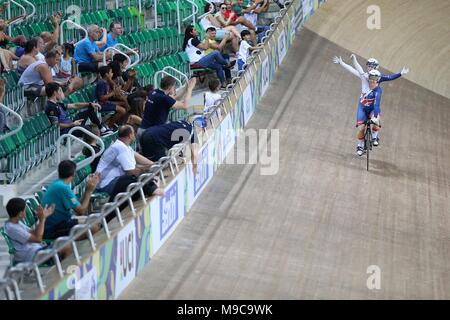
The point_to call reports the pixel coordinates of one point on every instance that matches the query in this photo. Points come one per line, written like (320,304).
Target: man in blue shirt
(60,194)
(87,54)
(115,31)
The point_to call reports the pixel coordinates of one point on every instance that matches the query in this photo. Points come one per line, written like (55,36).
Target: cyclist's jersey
(371,101)
(365,77)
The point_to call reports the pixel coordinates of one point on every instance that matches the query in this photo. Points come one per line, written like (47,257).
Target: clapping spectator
(214,60)
(26,241)
(87,54)
(61,195)
(30,52)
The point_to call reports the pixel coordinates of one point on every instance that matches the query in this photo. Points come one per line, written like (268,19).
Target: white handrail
(87,132)
(116,50)
(82,163)
(61,36)
(16,115)
(194,12)
(155,77)
(155,4)
(207,13)
(130,65)
(177,71)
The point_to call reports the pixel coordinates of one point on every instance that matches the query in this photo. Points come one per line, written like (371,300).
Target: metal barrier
(166,72)
(194,12)
(17,116)
(156,170)
(24,11)
(76,25)
(115,48)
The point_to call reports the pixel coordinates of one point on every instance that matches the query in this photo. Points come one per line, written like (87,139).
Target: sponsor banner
(227,137)
(248,104)
(308,6)
(282,47)
(167,212)
(265,76)
(125,257)
(86,287)
(297,18)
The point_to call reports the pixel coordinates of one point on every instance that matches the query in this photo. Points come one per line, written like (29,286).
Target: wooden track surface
(414,33)
(312,230)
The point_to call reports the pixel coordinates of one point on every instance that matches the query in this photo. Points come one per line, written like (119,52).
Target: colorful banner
(126,259)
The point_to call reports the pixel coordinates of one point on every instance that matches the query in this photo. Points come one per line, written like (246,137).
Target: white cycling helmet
(372,62)
(374,75)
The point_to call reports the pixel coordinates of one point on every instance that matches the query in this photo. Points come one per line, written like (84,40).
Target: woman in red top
(228,17)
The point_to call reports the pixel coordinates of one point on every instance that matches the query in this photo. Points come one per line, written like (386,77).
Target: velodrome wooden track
(312,230)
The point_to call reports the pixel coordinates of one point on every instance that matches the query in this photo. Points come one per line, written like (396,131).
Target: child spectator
(56,111)
(244,49)
(27,242)
(67,65)
(106,91)
(213,95)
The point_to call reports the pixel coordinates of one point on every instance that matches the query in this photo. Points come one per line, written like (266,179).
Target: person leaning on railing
(120,165)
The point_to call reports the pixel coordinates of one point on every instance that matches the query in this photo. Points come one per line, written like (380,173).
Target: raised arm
(357,65)
(338,60)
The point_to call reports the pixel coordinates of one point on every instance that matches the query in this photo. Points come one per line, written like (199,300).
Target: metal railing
(76,25)
(115,49)
(194,12)
(17,116)
(209,12)
(169,162)
(166,72)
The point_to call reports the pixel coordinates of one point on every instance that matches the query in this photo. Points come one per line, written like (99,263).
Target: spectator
(213,95)
(161,100)
(156,140)
(50,40)
(93,143)
(105,92)
(60,194)
(244,49)
(251,13)
(209,21)
(115,31)
(120,166)
(134,100)
(41,49)
(56,111)
(210,36)
(87,53)
(38,74)
(29,56)
(27,242)
(196,53)
(226,16)
(67,65)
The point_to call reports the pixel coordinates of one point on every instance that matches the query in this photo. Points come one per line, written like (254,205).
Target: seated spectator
(251,13)
(60,194)
(115,31)
(28,242)
(226,16)
(155,141)
(210,21)
(56,111)
(120,166)
(132,92)
(161,100)
(213,95)
(38,74)
(93,143)
(196,53)
(244,49)
(50,40)
(87,54)
(210,36)
(29,56)
(67,66)
(105,92)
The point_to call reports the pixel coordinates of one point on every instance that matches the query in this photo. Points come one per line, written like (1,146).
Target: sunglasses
(223,8)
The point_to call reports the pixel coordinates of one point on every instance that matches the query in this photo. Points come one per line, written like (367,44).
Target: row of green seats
(14,97)
(154,43)
(35,142)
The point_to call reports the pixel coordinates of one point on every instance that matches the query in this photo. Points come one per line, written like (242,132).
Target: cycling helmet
(373,63)
(374,75)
